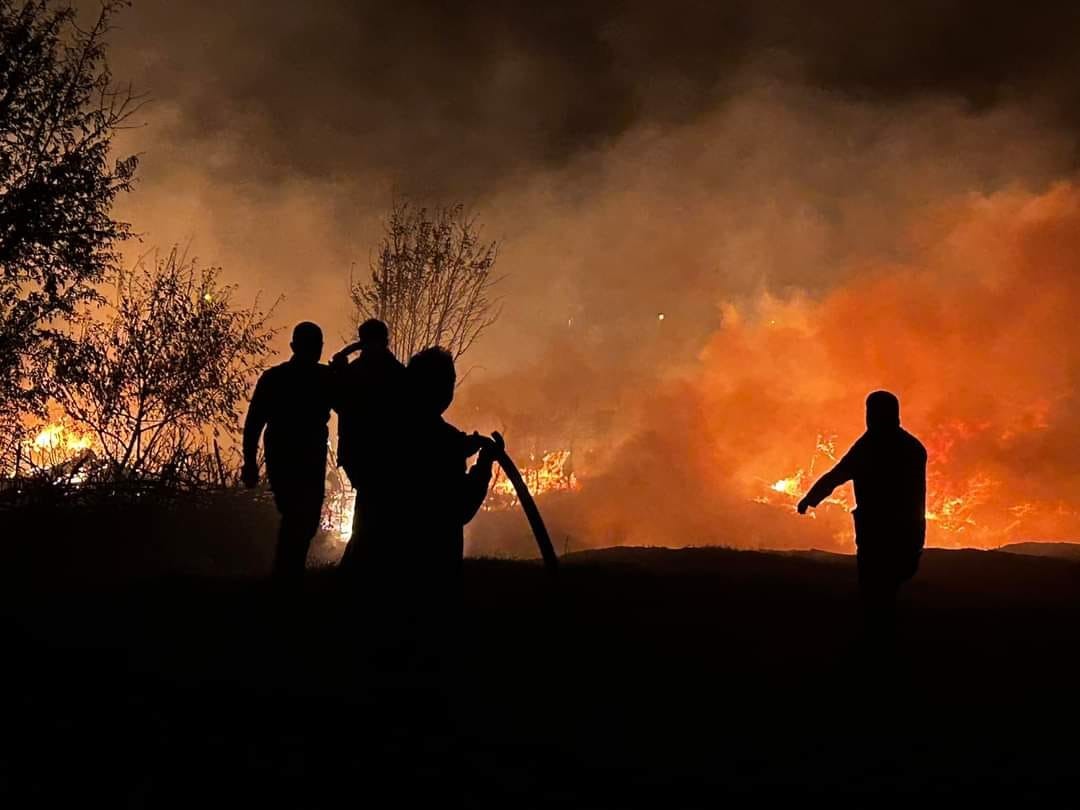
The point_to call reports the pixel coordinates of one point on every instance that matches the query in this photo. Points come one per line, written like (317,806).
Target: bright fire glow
(60,437)
(338,510)
(789,486)
(951,508)
(54,445)
(551,472)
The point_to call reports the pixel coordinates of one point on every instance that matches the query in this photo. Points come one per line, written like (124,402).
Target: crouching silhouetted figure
(888,467)
(292,402)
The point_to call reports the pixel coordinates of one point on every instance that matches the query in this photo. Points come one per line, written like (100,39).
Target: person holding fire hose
(374,406)
(888,466)
(446,495)
(414,494)
(423,582)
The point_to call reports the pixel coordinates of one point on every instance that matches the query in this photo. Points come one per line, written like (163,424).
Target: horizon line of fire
(58,443)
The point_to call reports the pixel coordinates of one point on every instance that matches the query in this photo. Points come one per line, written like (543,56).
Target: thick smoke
(747,231)
(976,333)
(802,192)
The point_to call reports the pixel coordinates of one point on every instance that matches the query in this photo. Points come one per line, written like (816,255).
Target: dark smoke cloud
(451,98)
(632,156)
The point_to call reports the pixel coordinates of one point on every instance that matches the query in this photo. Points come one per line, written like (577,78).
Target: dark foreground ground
(649,678)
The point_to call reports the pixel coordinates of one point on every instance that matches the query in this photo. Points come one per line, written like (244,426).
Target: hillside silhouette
(1064,551)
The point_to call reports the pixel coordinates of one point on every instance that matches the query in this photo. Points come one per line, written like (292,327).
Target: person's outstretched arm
(843,472)
(253,427)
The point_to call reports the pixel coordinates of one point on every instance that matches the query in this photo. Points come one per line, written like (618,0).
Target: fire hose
(528,505)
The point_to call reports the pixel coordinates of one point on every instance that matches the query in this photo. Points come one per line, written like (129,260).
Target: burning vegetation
(543,474)
(550,472)
(973,329)
(57,449)
(975,332)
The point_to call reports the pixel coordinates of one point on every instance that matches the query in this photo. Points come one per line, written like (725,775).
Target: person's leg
(351,561)
(290,554)
(300,515)
(886,608)
(877,591)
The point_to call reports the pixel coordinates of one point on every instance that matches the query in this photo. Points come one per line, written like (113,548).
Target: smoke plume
(817,201)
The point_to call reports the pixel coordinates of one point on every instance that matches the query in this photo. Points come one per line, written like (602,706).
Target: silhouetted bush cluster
(122,530)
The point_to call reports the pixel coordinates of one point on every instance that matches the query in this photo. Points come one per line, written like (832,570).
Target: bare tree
(164,373)
(431,280)
(59,111)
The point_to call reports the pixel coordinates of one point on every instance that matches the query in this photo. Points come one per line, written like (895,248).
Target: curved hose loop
(532,513)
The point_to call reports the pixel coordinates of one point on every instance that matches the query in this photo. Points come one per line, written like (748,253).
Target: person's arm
(478,479)
(843,472)
(472,443)
(341,358)
(339,377)
(253,427)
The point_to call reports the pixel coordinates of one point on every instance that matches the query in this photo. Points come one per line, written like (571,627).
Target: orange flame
(551,472)
(55,445)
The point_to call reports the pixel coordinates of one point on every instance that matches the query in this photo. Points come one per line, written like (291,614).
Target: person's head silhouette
(307,342)
(432,379)
(882,411)
(373,335)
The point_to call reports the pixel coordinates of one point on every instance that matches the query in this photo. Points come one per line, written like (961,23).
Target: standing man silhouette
(888,467)
(369,399)
(292,402)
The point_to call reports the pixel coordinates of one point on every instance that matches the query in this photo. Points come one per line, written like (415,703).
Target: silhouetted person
(369,398)
(292,402)
(888,467)
(443,494)
(410,569)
